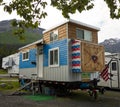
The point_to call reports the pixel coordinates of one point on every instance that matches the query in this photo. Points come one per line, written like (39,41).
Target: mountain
(111,45)
(9,43)
(6,34)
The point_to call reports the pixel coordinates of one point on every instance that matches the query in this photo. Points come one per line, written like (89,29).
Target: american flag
(76,64)
(105,74)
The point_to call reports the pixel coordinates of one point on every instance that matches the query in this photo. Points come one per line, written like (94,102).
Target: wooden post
(33,80)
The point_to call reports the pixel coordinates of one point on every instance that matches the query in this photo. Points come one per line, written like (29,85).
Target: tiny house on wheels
(11,63)
(67,56)
(114,71)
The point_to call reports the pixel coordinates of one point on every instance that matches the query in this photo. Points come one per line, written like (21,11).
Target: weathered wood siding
(95,37)
(28,48)
(72,31)
(92,57)
(62,33)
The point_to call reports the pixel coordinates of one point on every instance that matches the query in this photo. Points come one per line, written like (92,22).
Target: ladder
(21,88)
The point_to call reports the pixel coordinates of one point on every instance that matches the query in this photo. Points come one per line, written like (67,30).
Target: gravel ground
(109,99)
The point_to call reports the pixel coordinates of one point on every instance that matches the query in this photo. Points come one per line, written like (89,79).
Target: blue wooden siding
(27,63)
(62,44)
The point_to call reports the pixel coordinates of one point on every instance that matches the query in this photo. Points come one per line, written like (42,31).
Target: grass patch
(3,71)
(9,79)
(39,97)
(8,85)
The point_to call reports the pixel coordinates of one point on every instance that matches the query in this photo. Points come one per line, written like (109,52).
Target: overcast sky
(98,16)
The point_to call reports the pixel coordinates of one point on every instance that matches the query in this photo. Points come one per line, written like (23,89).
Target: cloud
(98,16)
(110,29)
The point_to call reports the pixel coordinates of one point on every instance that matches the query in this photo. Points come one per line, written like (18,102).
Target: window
(54,35)
(54,57)
(114,66)
(25,56)
(40,50)
(84,34)
(87,35)
(80,34)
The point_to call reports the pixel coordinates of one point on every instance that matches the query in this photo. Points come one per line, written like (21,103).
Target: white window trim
(24,53)
(57,65)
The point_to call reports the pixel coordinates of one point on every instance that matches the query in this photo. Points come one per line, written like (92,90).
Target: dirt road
(110,99)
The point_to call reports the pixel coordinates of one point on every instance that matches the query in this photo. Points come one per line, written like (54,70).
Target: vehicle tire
(95,94)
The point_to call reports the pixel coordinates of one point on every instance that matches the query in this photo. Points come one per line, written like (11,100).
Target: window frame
(84,34)
(77,35)
(26,58)
(53,50)
(53,34)
(114,68)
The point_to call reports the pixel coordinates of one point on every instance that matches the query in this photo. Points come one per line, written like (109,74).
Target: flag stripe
(104,74)
(104,70)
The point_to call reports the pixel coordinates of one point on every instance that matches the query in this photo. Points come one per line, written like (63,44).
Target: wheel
(61,91)
(95,94)
(102,90)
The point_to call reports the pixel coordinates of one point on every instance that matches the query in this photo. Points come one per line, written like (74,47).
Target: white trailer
(114,71)
(11,63)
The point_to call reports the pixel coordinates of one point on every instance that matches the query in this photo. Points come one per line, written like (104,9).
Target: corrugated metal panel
(56,73)
(32,57)
(27,72)
(75,76)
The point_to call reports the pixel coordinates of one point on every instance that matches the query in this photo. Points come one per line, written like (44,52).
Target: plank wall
(72,31)
(88,63)
(62,33)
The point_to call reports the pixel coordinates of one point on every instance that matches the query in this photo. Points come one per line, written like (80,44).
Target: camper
(67,56)
(11,63)
(114,71)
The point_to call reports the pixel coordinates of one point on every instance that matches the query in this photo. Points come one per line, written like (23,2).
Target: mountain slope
(9,43)
(111,45)
(7,36)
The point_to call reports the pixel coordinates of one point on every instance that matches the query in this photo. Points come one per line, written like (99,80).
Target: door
(114,74)
(40,62)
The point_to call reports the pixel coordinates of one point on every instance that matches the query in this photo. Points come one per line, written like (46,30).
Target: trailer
(11,63)
(67,57)
(114,71)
